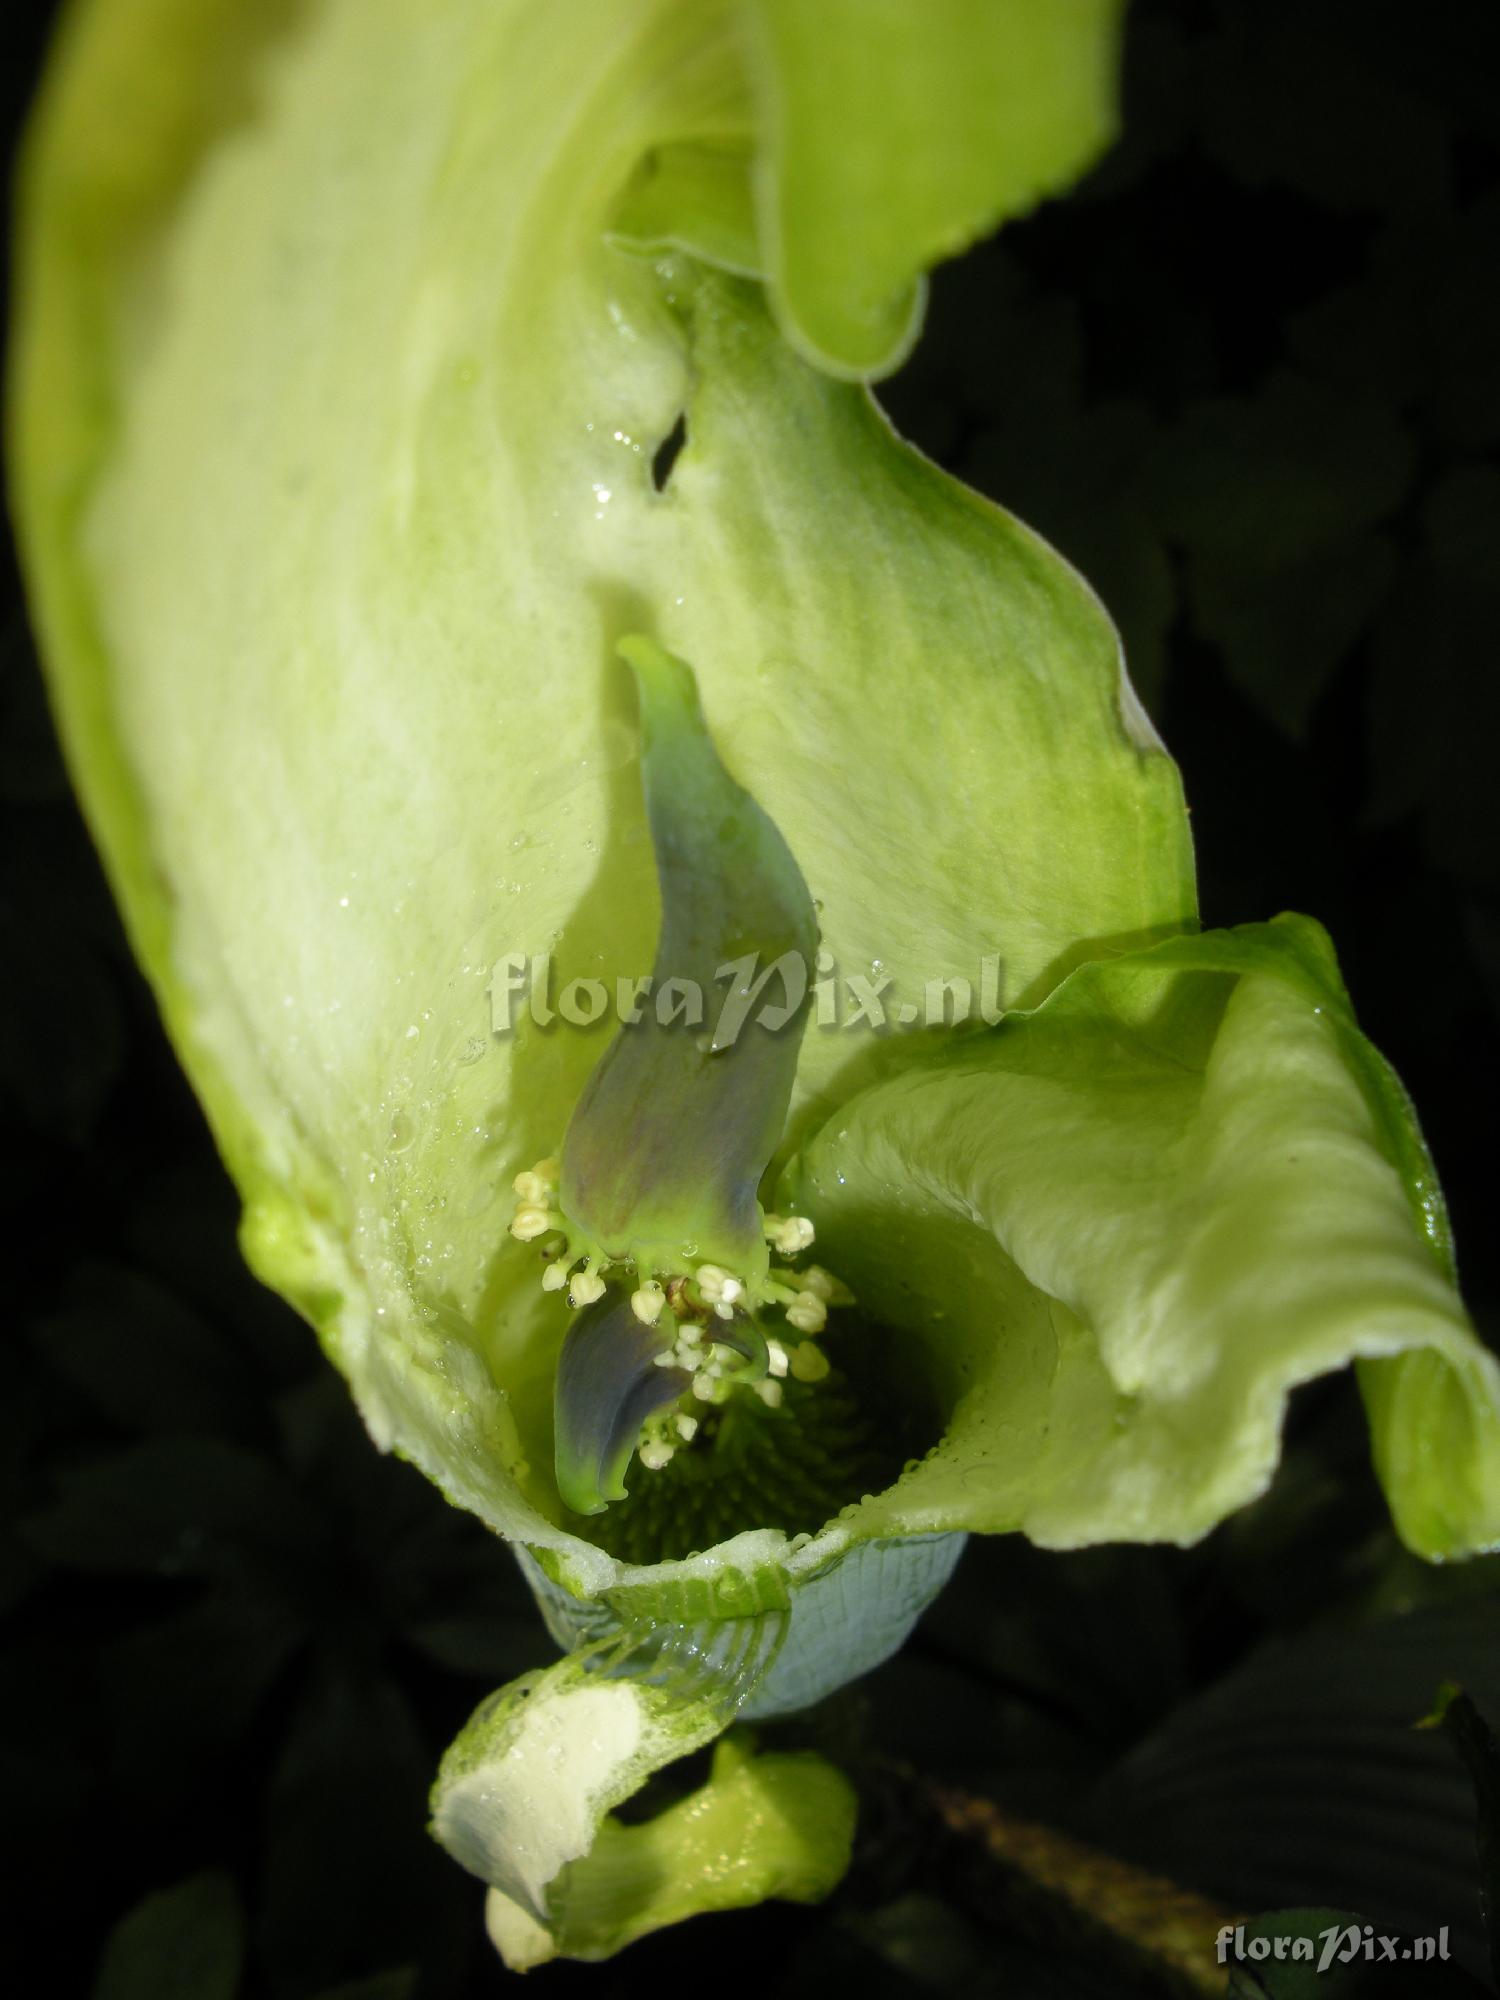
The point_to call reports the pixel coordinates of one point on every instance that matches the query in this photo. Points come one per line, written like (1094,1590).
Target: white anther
(718,1286)
(807,1313)
(669,1357)
(532,1188)
(555,1276)
(809,1362)
(586,1288)
(529,1221)
(793,1235)
(769,1393)
(647,1303)
(708,1387)
(655,1453)
(776,1358)
(723,1309)
(687,1428)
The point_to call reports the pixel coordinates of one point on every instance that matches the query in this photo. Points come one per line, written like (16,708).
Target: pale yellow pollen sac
(720,1289)
(807,1313)
(808,1362)
(530,1221)
(655,1453)
(537,1185)
(824,1285)
(688,1352)
(776,1358)
(647,1302)
(585,1288)
(555,1276)
(686,1427)
(710,1387)
(769,1393)
(794,1234)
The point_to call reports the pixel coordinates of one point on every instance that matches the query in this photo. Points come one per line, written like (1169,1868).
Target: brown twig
(1053,1888)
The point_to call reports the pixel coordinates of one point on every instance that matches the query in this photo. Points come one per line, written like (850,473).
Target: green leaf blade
(183,1943)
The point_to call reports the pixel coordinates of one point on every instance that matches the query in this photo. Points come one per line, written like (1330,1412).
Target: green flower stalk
(348,336)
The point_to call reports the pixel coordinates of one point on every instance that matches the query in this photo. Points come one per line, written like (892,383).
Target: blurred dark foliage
(1248,379)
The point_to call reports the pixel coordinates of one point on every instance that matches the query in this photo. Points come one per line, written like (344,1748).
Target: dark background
(1248,379)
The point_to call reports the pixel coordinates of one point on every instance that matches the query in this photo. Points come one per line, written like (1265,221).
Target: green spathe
(890,146)
(1131,1221)
(331,628)
(335,391)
